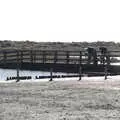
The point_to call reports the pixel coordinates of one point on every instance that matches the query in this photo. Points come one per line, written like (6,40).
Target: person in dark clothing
(92,55)
(104,58)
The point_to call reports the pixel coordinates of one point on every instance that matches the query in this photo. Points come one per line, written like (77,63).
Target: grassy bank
(67,100)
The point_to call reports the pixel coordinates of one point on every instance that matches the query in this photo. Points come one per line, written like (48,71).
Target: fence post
(80,73)
(17,75)
(18,67)
(67,56)
(106,72)
(80,66)
(107,58)
(51,74)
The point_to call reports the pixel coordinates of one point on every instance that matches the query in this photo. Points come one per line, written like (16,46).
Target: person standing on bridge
(104,58)
(92,55)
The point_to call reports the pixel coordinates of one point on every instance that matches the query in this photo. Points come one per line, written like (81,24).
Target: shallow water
(4,73)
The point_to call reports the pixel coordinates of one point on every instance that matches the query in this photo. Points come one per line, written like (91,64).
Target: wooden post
(67,56)
(18,67)
(51,74)
(80,58)
(107,58)
(106,72)
(80,66)
(107,65)
(80,73)
(18,75)
(95,57)
(55,57)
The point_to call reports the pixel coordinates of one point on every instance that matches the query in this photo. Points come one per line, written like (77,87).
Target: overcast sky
(60,20)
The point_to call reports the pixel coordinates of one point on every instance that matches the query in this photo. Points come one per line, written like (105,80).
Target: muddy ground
(60,100)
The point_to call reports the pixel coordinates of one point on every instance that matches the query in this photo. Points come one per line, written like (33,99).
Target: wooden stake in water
(18,67)
(18,75)
(80,67)
(51,74)
(106,72)
(80,73)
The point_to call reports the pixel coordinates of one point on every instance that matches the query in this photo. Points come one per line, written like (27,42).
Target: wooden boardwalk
(64,61)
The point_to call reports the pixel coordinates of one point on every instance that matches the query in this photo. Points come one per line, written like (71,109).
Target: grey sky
(60,20)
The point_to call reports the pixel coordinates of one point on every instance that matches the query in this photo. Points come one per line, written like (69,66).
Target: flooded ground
(4,73)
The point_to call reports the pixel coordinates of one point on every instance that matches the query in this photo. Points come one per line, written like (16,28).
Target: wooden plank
(51,74)
(50,56)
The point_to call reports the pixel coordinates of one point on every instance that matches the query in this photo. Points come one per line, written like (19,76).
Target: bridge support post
(80,66)
(80,73)
(51,74)
(18,67)
(106,71)
(67,57)
(17,75)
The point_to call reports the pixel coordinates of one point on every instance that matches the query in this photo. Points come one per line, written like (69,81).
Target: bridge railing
(42,56)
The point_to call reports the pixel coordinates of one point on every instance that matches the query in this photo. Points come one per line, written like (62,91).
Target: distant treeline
(8,44)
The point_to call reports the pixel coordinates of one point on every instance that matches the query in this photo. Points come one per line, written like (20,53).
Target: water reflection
(4,73)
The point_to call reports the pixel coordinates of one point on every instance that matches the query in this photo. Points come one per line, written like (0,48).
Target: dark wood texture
(63,61)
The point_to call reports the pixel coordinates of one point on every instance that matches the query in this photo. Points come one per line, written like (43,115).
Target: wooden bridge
(60,61)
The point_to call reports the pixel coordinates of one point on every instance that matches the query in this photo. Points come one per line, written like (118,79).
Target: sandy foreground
(65,99)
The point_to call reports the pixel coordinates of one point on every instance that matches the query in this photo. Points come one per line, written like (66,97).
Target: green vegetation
(8,44)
